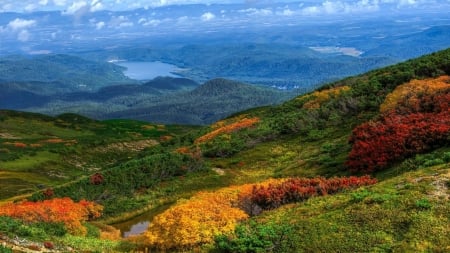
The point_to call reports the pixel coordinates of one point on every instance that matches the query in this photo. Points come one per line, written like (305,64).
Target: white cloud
(339,7)
(76,7)
(96,5)
(100,25)
(285,12)
(257,12)
(30,7)
(43,2)
(59,2)
(182,20)
(207,16)
(149,22)
(23,35)
(120,22)
(19,23)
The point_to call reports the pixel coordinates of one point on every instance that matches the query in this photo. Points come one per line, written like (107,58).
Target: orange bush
(20,145)
(411,90)
(183,150)
(63,210)
(226,129)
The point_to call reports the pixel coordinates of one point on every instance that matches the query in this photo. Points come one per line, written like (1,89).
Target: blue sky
(72,6)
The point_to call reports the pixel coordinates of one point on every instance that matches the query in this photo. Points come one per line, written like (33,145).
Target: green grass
(28,162)
(93,145)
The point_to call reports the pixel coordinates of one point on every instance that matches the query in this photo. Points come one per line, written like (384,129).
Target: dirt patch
(441,186)
(133,146)
(219,171)
(8,136)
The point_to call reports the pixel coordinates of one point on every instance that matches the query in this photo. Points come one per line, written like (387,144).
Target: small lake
(139,224)
(147,70)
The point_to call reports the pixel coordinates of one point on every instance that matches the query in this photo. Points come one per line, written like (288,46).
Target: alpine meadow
(206,126)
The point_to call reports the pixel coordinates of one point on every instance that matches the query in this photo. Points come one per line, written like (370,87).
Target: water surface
(139,224)
(147,70)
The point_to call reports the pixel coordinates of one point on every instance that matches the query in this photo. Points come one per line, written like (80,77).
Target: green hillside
(38,151)
(209,102)
(50,74)
(209,186)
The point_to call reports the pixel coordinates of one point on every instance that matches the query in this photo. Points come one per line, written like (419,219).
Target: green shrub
(92,231)
(254,237)
(53,229)
(359,196)
(4,249)
(423,204)
(429,163)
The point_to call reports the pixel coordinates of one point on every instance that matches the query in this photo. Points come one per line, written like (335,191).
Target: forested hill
(62,73)
(361,164)
(205,104)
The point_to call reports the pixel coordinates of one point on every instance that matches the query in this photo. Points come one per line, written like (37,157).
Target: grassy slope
(85,146)
(407,211)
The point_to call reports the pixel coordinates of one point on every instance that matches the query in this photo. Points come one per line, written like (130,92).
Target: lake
(147,70)
(139,224)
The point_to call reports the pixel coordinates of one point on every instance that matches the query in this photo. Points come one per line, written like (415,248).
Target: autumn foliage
(208,214)
(56,210)
(194,222)
(417,123)
(409,92)
(199,219)
(96,179)
(229,128)
(319,97)
(300,189)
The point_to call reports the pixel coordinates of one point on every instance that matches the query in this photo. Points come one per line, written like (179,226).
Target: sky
(72,6)
(95,5)
(25,27)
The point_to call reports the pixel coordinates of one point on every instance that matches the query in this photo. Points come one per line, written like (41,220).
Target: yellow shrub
(413,88)
(198,220)
(319,97)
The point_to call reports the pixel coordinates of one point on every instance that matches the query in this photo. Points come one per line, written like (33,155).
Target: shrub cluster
(209,214)
(300,189)
(62,210)
(418,123)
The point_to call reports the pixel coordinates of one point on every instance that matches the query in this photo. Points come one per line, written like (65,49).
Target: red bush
(404,131)
(96,179)
(48,193)
(300,189)
(49,245)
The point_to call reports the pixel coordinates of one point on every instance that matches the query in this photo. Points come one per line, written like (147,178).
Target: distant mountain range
(163,99)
